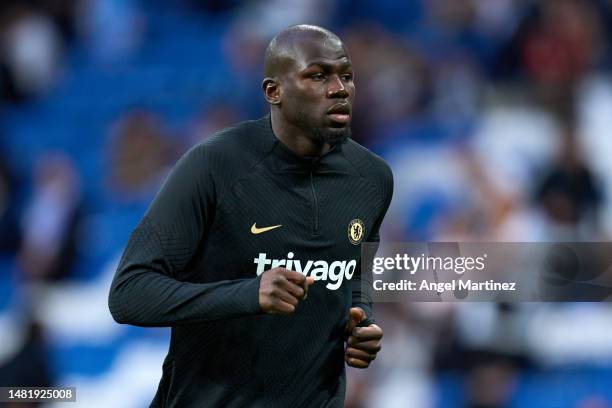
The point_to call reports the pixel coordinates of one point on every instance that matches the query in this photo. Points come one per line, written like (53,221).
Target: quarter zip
(315,203)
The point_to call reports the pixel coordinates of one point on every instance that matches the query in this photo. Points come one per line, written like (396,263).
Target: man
(251,249)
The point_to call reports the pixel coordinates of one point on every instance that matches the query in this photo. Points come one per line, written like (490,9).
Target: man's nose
(336,89)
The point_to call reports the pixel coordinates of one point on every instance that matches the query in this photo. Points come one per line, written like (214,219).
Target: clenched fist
(280,290)
(363,343)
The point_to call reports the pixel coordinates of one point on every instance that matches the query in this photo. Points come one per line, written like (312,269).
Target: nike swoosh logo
(255,230)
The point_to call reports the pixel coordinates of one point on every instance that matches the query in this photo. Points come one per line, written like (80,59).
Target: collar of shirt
(287,161)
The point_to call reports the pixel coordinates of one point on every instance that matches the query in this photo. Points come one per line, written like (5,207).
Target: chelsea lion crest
(356,231)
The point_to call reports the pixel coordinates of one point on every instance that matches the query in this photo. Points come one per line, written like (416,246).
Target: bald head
(288,45)
(309,86)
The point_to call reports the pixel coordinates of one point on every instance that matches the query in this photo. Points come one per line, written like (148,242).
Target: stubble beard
(319,132)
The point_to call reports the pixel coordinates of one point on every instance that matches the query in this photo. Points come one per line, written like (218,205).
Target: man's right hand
(280,290)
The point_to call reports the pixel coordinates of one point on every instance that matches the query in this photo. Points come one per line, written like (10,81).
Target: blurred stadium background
(495,116)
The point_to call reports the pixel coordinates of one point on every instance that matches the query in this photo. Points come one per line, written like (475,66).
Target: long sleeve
(361,284)
(147,289)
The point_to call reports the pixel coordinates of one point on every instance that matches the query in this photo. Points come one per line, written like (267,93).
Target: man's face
(318,91)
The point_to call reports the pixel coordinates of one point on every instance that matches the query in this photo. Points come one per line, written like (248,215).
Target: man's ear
(271,90)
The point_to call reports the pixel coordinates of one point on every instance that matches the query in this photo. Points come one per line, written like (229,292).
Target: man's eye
(317,77)
(347,77)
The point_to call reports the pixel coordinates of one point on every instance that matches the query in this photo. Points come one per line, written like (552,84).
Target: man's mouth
(340,113)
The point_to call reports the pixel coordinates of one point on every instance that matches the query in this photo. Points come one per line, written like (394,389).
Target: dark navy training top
(233,207)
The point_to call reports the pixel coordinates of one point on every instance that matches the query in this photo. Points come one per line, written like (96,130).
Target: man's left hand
(363,343)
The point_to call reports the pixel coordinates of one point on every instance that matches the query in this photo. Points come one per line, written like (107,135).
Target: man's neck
(295,139)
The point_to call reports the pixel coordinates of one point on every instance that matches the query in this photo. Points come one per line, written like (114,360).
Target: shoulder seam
(352,164)
(380,186)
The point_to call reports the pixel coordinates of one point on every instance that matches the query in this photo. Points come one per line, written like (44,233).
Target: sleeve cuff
(252,295)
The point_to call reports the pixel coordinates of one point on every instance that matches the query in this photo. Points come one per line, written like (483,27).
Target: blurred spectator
(9,217)
(491,385)
(569,194)
(51,220)
(113,29)
(29,365)
(394,89)
(555,46)
(30,51)
(139,153)
(64,14)
(564,43)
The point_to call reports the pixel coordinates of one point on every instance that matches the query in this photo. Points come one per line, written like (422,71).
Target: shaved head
(285,47)
(308,83)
